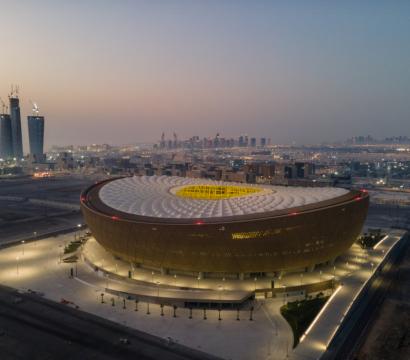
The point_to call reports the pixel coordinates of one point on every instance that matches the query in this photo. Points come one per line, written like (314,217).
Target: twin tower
(11,145)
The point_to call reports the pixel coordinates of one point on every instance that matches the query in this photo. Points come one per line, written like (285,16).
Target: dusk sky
(125,71)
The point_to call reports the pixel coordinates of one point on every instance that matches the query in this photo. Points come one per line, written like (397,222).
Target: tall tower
(36,134)
(6,148)
(17,143)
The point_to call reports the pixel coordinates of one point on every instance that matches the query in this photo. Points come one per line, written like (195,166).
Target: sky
(124,71)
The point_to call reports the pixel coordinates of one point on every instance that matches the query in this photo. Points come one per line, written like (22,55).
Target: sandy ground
(389,335)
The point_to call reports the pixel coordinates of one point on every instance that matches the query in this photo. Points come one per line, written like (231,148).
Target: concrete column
(279,274)
(310,268)
(201,275)
(164,271)
(332,261)
(241,276)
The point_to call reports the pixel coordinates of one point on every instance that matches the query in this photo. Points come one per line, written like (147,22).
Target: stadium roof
(187,198)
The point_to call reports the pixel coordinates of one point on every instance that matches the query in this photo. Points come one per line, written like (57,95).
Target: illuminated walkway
(321,332)
(37,266)
(106,262)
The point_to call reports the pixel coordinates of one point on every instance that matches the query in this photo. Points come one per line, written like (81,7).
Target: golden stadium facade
(204,226)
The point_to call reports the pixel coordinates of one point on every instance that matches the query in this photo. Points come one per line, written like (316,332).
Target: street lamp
(22,241)
(77,233)
(175,277)
(158,288)
(284,293)
(255,279)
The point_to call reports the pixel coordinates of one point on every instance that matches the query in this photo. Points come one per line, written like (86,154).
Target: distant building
(17,143)
(6,146)
(253,142)
(263,142)
(65,161)
(36,137)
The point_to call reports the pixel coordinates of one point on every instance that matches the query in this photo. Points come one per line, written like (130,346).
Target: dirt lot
(389,335)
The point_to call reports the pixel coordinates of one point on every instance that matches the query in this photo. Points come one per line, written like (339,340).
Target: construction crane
(35,108)
(5,108)
(14,93)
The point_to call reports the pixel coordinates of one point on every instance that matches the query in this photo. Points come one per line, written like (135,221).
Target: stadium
(210,228)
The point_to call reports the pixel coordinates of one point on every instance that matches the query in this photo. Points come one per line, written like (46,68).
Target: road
(35,328)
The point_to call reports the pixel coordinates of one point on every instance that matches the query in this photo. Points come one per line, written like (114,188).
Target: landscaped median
(300,314)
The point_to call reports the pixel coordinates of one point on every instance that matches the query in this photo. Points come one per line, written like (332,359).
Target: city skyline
(124,73)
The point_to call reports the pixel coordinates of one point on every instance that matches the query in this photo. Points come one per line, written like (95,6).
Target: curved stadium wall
(285,238)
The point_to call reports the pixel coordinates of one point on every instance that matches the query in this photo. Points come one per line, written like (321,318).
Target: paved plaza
(38,266)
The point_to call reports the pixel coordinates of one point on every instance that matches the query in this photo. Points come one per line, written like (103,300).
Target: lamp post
(17,265)
(78,231)
(255,279)
(158,288)
(22,242)
(175,279)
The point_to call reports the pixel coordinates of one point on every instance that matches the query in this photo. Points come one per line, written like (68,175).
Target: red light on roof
(199,222)
(115,218)
(363,191)
(294,213)
(357,198)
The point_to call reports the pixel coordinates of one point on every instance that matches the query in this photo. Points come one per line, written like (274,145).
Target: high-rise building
(6,147)
(263,142)
(253,142)
(36,136)
(17,143)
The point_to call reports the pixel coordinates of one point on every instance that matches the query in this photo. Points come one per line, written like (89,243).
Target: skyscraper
(17,144)
(36,136)
(6,148)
